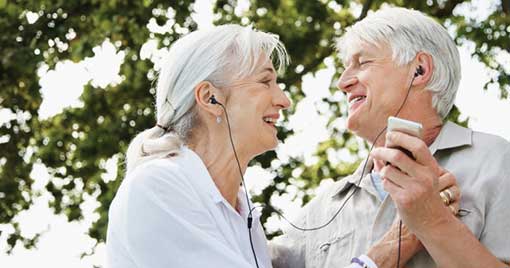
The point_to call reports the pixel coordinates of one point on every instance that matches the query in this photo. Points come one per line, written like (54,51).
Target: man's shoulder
(490,141)
(478,142)
(326,192)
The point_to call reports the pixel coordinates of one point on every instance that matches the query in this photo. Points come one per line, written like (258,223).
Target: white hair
(408,32)
(220,55)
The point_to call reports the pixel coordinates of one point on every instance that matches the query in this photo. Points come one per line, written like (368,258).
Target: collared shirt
(169,213)
(377,181)
(481,164)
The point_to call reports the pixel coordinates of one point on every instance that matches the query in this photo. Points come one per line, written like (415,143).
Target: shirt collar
(198,173)
(200,176)
(452,136)
(347,182)
(243,206)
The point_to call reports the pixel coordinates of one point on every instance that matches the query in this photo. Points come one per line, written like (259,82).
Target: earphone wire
(250,217)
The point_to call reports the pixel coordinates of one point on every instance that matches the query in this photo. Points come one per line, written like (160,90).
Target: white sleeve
(164,224)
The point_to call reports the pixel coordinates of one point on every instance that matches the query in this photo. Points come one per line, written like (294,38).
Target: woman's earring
(218,119)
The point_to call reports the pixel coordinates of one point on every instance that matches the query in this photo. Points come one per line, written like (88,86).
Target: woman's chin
(267,146)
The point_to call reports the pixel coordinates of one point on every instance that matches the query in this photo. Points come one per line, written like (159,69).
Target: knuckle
(393,135)
(385,171)
(398,156)
(406,201)
(451,178)
(422,147)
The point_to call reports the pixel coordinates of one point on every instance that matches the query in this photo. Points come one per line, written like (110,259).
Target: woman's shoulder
(156,167)
(158,184)
(172,167)
(181,177)
(158,173)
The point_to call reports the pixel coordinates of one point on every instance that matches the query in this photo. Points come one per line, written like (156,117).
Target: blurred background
(77,83)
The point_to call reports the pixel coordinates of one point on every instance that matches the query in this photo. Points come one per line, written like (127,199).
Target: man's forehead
(363,48)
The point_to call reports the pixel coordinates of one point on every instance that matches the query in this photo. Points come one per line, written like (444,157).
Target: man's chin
(361,130)
(352,124)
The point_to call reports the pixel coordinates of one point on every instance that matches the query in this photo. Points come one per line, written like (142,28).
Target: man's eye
(362,62)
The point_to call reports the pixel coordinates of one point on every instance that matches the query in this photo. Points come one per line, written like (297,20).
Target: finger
(395,157)
(390,187)
(445,181)
(454,208)
(415,145)
(456,193)
(452,194)
(396,176)
(402,162)
(456,203)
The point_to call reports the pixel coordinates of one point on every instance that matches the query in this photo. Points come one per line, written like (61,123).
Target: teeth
(357,99)
(269,120)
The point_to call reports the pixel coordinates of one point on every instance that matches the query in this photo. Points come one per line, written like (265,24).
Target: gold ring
(445,198)
(449,194)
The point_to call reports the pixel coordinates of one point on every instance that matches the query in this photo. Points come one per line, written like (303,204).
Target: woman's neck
(219,159)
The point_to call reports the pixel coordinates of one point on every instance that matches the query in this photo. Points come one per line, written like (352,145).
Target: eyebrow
(360,53)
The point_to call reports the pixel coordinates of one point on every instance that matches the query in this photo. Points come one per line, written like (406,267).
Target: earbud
(419,71)
(213,100)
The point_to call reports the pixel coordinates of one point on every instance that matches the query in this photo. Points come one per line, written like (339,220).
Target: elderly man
(400,62)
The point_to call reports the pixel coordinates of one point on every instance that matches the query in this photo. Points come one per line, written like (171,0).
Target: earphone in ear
(213,100)
(419,71)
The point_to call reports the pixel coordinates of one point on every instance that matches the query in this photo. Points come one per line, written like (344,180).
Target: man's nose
(346,81)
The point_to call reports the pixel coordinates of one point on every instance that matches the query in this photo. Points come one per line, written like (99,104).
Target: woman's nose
(282,100)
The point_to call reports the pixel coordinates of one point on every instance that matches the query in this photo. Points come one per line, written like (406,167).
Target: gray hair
(408,32)
(220,55)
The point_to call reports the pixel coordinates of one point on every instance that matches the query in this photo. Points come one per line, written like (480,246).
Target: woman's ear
(423,70)
(204,91)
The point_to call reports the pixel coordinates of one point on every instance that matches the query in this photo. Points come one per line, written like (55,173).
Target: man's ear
(424,68)
(203,93)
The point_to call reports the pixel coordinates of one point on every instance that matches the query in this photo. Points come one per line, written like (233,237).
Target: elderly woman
(181,204)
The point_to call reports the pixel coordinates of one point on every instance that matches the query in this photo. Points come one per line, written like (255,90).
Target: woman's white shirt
(169,213)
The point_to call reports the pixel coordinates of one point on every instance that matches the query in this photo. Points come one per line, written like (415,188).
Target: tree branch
(506,6)
(364,11)
(447,10)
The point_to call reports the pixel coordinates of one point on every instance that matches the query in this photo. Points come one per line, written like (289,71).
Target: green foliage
(75,144)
